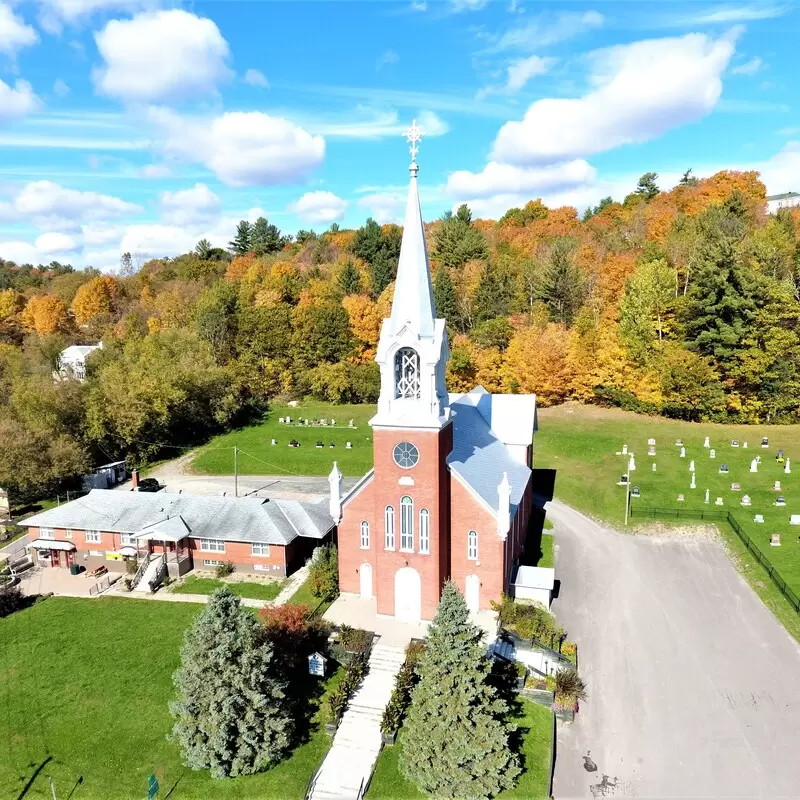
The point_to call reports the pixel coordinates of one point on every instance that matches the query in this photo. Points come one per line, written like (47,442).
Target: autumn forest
(682,303)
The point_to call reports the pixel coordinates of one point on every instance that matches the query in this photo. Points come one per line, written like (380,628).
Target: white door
(365,571)
(473,592)
(407,595)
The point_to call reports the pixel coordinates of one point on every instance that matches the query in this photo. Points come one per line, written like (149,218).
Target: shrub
(131,565)
(355,640)
(224,569)
(569,688)
(323,573)
(11,600)
(294,634)
(400,700)
(338,699)
(570,650)
(530,622)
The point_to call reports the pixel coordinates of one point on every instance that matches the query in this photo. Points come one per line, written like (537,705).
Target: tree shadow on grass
(36,773)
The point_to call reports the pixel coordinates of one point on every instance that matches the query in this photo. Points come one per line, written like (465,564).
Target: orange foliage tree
(99,297)
(45,314)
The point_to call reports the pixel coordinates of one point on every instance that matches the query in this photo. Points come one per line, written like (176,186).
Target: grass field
(548,557)
(535,726)
(581,444)
(86,685)
(255,591)
(259,457)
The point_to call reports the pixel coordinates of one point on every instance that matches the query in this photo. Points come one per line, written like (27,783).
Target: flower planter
(389,738)
(566,715)
(540,696)
(330,727)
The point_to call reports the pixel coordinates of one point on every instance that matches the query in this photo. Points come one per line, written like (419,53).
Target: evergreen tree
(646,187)
(563,287)
(367,241)
(444,296)
(381,250)
(687,179)
(349,281)
(265,238)
(494,294)
(241,242)
(456,241)
(455,738)
(203,249)
(231,715)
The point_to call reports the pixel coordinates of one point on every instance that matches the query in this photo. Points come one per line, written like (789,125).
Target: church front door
(365,572)
(407,595)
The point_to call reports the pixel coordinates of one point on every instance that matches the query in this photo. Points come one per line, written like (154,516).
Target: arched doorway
(473,592)
(407,595)
(365,572)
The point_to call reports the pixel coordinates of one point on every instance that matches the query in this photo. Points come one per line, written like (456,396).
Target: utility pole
(235,471)
(628,488)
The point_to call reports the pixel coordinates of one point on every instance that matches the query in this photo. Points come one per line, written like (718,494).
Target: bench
(97,572)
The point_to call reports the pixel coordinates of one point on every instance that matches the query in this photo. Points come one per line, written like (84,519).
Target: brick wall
(86,553)
(351,556)
(241,554)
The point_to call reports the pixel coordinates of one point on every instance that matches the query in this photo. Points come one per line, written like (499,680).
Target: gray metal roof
(480,458)
(784,196)
(232,519)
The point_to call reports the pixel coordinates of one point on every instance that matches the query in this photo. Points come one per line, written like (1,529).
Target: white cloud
(507,179)
(520,72)
(198,205)
(728,15)
(155,171)
(419,5)
(17,102)
(55,12)
(384,207)
(101,233)
(386,58)
(21,253)
(379,125)
(256,78)
(14,33)
(319,207)
(52,242)
(60,88)
(467,5)
(544,30)
(749,67)
(643,90)
(154,241)
(161,55)
(241,148)
(49,206)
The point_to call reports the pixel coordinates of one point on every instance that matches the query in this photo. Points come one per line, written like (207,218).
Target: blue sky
(141,125)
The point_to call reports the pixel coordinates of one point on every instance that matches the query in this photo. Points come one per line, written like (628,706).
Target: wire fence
(727,516)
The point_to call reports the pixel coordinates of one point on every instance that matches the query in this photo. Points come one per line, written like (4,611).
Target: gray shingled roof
(480,458)
(243,519)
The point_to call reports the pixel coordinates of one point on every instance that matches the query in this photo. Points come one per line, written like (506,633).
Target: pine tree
(647,187)
(455,740)
(241,242)
(562,288)
(444,296)
(265,237)
(231,716)
(493,296)
(349,281)
(456,241)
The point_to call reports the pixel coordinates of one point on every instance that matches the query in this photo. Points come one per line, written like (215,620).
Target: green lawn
(581,444)
(303,596)
(87,684)
(255,591)
(259,457)
(548,557)
(535,725)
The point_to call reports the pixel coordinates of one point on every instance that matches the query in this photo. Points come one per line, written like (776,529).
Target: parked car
(149,485)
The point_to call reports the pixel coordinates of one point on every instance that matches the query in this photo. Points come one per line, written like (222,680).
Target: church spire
(413,294)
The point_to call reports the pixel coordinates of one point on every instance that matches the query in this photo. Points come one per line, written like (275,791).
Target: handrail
(140,570)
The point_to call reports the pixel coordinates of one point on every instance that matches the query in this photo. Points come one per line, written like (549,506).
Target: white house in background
(534,584)
(72,361)
(785,200)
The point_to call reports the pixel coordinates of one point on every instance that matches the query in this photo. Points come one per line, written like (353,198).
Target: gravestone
(624,449)
(781,501)
(754,465)
(744,444)
(794,519)
(787,469)
(631,464)
(779,457)
(333,422)
(693,485)
(723,469)
(348,446)
(683,452)
(746,500)
(718,502)
(691,466)
(765,442)
(736,487)
(654,466)
(707,442)
(319,444)
(635,492)
(288,420)
(708,497)
(681,498)
(712,453)
(775,540)
(623,480)
(350,424)
(758,518)
(776,487)
(735,443)
(281,420)
(273,442)
(651,451)
(679,443)
(651,442)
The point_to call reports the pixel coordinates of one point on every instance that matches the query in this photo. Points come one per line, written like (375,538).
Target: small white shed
(534,583)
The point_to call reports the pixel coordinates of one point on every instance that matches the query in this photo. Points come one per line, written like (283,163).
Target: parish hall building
(449,496)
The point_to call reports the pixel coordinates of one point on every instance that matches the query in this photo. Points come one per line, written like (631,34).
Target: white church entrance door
(365,571)
(473,592)
(407,595)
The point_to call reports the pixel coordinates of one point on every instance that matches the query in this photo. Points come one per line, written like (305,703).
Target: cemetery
(739,469)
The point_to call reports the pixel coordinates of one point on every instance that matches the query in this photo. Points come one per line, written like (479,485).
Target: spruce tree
(444,296)
(349,281)
(231,715)
(241,242)
(562,288)
(455,741)
(265,237)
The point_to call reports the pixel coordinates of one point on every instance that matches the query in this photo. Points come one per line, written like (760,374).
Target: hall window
(212,546)
(472,546)
(92,536)
(406,373)
(47,533)
(365,535)
(407,524)
(388,517)
(424,531)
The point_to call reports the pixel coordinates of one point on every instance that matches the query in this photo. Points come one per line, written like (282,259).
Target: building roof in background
(233,519)
(78,351)
(784,196)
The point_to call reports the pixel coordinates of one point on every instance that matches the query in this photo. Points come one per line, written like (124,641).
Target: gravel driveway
(693,686)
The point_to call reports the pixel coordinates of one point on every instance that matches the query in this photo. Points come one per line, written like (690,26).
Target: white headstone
(787,469)
(718,501)
(651,442)
(708,495)
(712,453)
(651,451)
(349,446)
(746,500)
(654,466)
(707,442)
(758,518)
(744,444)
(624,449)
(754,465)
(680,498)
(683,452)
(631,464)
(775,540)
(691,466)
(693,485)
(794,519)
(273,442)
(776,487)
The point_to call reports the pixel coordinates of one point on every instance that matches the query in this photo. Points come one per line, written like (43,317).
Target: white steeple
(412,349)
(504,506)
(335,500)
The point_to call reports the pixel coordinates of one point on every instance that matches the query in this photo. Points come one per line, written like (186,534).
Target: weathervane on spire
(413,135)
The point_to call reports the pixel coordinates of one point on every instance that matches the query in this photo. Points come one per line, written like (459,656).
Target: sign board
(152,787)
(111,556)
(316,664)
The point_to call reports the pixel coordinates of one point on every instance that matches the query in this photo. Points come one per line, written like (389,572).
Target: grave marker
(781,501)
(794,519)
(274,442)
(693,485)
(635,492)
(683,452)
(651,451)
(712,453)
(735,443)
(776,487)
(654,466)
(651,442)
(680,498)
(744,444)
(746,500)
(754,465)
(723,469)
(718,502)
(679,443)
(787,469)
(691,466)
(624,449)
(707,442)
(758,518)
(775,540)
(735,487)
(708,496)
(765,442)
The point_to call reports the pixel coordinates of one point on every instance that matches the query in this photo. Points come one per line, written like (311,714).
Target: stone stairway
(150,573)
(351,759)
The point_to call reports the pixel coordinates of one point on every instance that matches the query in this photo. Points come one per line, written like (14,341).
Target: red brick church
(450,492)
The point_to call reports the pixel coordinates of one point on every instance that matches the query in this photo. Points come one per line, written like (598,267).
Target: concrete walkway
(351,759)
(693,685)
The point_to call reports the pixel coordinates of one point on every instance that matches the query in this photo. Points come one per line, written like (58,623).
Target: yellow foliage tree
(536,361)
(98,297)
(45,314)
(365,318)
(11,303)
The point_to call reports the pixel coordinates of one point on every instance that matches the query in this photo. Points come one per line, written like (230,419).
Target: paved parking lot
(694,687)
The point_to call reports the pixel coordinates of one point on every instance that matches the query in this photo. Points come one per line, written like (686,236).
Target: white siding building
(72,362)
(785,200)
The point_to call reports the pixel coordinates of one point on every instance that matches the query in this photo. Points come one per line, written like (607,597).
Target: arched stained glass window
(388,516)
(424,531)
(406,373)
(407,524)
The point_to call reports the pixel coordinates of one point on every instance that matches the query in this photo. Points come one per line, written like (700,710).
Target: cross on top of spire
(413,136)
